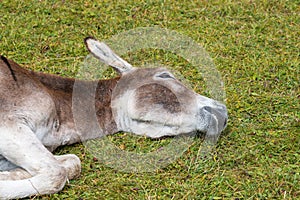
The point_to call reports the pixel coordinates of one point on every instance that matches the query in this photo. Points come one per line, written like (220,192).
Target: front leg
(70,162)
(14,174)
(48,174)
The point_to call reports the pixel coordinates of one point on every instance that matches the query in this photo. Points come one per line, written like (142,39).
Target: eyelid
(165,75)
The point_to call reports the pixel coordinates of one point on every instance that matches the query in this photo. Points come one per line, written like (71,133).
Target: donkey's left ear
(101,51)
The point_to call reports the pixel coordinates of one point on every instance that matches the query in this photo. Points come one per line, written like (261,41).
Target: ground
(255,47)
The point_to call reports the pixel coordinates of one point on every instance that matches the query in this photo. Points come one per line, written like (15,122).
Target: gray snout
(218,116)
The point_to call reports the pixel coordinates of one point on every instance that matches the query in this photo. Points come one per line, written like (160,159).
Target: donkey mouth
(150,122)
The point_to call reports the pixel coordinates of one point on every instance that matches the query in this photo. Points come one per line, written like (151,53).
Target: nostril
(208,109)
(221,114)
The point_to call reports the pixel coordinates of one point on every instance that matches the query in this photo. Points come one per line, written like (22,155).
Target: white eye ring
(165,75)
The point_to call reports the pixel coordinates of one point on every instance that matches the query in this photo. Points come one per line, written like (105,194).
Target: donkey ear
(101,51)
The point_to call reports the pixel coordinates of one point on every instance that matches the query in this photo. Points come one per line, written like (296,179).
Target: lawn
(255,46)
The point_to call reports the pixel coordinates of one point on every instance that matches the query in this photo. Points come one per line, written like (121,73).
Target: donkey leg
(71,163)
(20,146)
(15,174)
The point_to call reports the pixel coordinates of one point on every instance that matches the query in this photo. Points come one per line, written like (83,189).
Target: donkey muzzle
(216,118)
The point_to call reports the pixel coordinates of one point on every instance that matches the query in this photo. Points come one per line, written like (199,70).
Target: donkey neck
(61,89)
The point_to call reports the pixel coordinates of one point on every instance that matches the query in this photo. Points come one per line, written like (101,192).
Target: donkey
(36,117)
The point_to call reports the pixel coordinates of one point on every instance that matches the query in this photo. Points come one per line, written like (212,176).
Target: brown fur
(154,93)
(59,89)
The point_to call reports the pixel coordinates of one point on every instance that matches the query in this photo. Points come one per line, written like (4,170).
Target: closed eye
(165,75)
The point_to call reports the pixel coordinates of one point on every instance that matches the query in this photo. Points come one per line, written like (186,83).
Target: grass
(255,46)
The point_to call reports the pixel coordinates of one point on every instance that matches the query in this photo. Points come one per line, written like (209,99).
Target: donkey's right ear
(101,51)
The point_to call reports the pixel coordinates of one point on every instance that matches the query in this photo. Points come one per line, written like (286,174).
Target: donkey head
(152,102)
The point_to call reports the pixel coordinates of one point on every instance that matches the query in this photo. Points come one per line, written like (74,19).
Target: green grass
(255,46)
